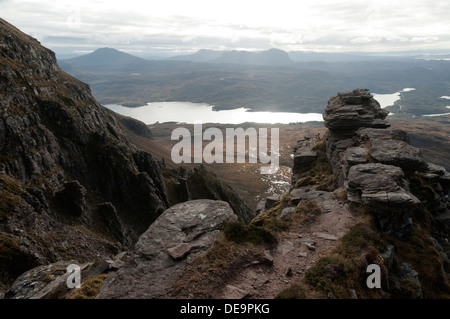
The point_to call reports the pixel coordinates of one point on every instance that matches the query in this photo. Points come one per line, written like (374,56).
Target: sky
(173,27)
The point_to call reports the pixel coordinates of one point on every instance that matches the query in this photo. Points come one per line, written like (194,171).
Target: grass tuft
(240,233)
(89,288)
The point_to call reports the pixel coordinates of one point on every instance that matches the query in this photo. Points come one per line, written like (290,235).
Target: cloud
(187,25)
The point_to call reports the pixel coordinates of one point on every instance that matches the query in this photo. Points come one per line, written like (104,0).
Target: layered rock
(375,164)
(350,110)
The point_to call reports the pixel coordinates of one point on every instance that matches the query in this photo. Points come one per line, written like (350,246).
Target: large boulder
(399,153)
(304,155)
(181,233)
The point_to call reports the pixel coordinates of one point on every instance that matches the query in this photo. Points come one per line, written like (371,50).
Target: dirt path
(297,251)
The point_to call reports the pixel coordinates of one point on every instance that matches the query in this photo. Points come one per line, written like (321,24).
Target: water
(386,100)
(186,112)
(440,114)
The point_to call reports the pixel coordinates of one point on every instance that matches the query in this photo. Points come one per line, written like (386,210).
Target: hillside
(107,60)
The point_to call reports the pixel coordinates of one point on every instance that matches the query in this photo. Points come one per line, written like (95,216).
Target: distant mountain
(106,60)
(261,80)
(303,56)
(272,57)
(199,56)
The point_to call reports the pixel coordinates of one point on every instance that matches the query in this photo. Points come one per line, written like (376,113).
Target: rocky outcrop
(304,156)
(203,184)
(377,165)
(62,157)
(350,110)
(200,183)
(135,126)
(50,281)
(181,233)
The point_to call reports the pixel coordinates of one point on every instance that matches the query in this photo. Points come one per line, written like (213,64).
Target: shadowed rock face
(181,233)
(376,165)
(62,155)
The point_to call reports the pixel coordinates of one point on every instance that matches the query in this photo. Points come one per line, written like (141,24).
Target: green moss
(306,181)
(9,248)
(320,146)
(418,251)
(14,260)
(329,275)
(308,207)
(205,276)
(294,291)
(360,238)
(89,288)
(10,195)
(344,268)
(268,217)
(359,209)
(240,233)
(321,173)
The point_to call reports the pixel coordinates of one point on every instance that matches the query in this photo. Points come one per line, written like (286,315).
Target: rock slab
(181,233)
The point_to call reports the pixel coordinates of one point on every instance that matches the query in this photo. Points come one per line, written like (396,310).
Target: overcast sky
(157,27)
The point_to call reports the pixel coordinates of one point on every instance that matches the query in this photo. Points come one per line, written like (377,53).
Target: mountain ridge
(282,86)
(106,59)
(76,190)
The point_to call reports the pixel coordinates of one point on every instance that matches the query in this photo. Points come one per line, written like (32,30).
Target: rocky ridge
(360,168)
(377,166)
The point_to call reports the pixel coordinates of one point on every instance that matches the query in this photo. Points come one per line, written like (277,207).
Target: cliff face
(69,179)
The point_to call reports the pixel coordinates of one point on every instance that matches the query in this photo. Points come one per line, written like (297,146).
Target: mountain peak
(271,57)
(109,51)
(106,59)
